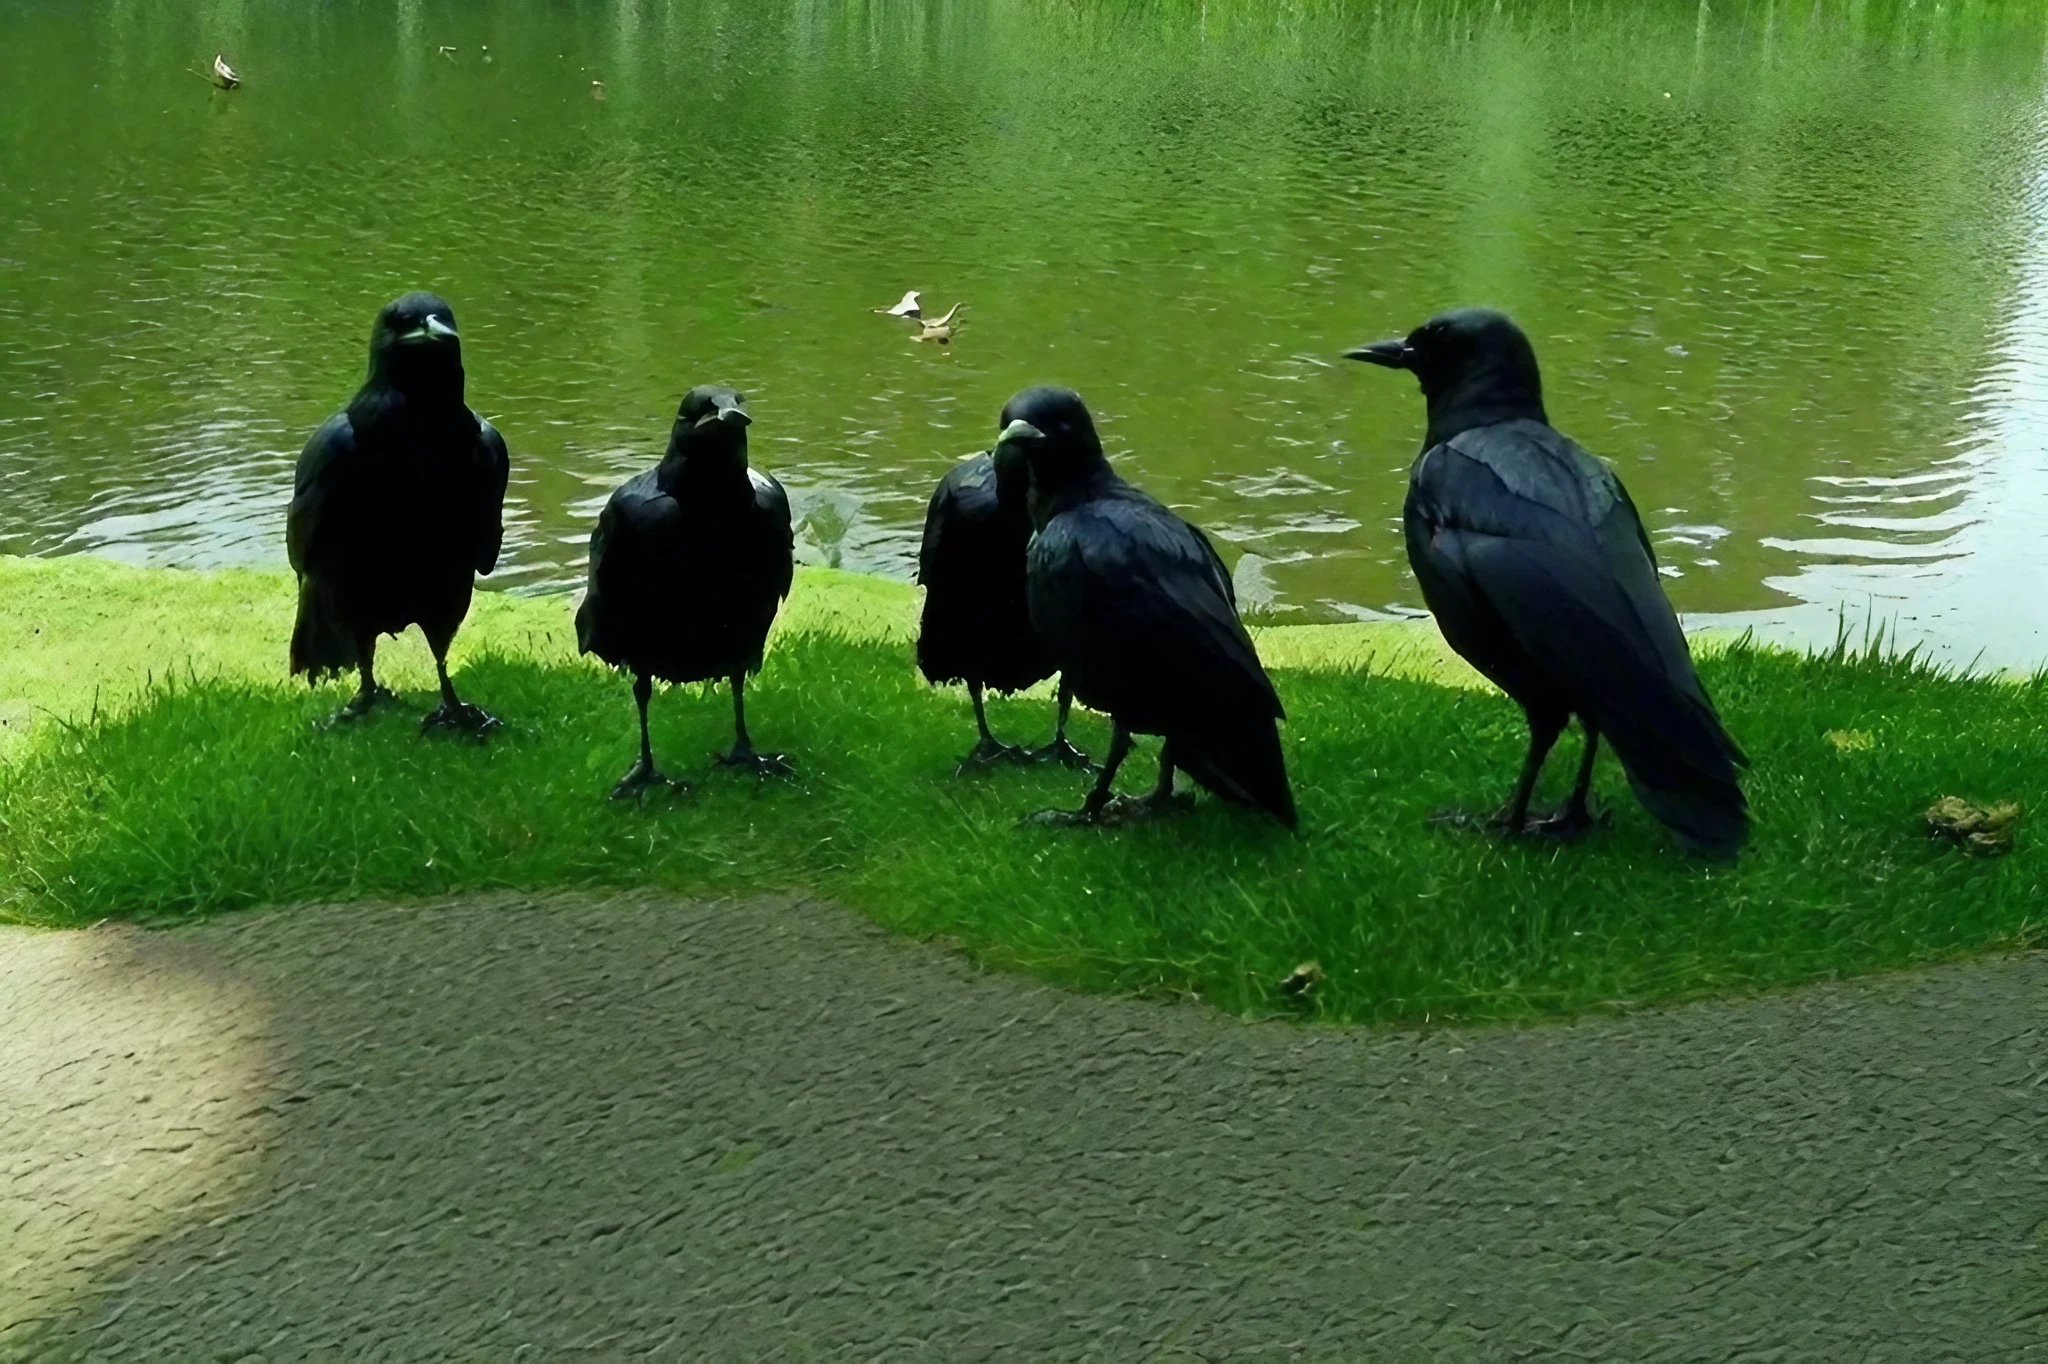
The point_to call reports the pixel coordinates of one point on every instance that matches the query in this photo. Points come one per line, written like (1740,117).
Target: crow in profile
(396,506)
(1537,567)
(688,564)
(1138,613)
(977,622)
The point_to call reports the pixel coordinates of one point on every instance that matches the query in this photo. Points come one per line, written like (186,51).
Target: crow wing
(625,568)
(778,543)
(328,473)
(964,496)
(485,512)
(1138,601)
(1530,549)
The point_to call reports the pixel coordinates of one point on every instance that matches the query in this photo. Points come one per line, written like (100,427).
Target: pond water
(1785,261)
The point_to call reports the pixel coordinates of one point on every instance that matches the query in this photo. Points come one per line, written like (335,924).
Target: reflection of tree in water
(1222,195)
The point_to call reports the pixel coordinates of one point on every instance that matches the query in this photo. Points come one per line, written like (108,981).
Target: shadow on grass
(217,796)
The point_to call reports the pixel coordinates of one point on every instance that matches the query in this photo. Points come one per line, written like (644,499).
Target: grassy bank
(201,784)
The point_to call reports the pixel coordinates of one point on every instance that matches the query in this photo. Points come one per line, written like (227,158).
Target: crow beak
(1019,430)
(732,411)
(1392,354)
(433,329)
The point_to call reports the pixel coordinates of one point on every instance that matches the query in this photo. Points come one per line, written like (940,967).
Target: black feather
(690,561)
(976,625)
(397,502)
(1138,611)
(1540,573)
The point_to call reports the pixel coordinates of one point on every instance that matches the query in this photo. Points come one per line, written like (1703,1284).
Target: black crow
(688,564)
(977,623)
(397,504)
(1138,612)
(1538,569)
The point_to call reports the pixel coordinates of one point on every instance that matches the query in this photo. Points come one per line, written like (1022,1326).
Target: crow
(1138,613)
(688,565)
(977,622)
(1539,572)
(397,504)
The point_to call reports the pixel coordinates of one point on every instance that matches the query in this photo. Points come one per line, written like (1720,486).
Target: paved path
(682,1131)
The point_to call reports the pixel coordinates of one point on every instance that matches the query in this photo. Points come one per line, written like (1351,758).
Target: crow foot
(1570,823)
(1497,822)
(642,778)
(460,715)
(1064,753)
(760,764)
(1082,818)
(1116,811)
(359,705)
(1138,809)
(989,753)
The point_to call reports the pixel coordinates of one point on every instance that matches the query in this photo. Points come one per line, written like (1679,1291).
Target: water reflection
(1783,264)
(1956,558)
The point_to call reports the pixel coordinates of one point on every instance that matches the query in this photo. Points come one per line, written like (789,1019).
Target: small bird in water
(1536,565)
(688,565)
(1138,612)
(908,308)
(976,626)
(940,330)
(224,75)
(397,504)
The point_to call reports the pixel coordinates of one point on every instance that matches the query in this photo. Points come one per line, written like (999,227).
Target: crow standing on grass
(688,564)
(1138,613)
(396,506)
(1536,565)
(977,622)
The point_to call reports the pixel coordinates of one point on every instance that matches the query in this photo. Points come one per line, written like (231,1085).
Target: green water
(1784,263)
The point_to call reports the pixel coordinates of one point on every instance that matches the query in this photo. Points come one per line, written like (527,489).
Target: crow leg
(642,774)
(743,754)
(368,693)
(1576,815)
(1091,808)
(1059,750)
(1543,732)
(454,712)
(990,750)
(1162,800)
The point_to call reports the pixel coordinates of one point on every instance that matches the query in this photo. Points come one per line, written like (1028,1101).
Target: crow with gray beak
(1538,570)
(1139,614)
(397,503)
(688,565)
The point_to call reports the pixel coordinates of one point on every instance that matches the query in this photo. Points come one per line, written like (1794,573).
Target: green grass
(212,789)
